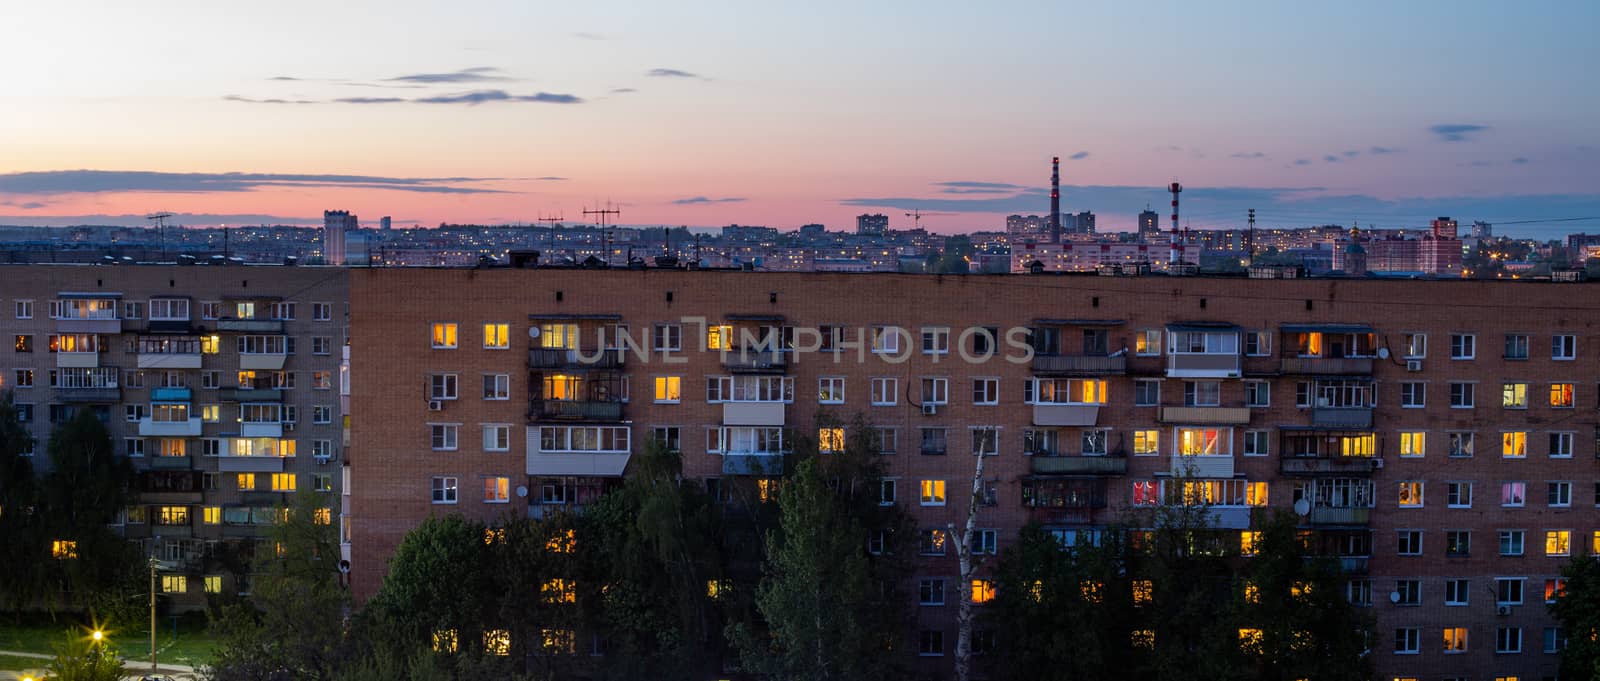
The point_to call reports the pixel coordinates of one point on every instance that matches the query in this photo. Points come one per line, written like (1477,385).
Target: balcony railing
(1332,465)
(754,360)
(1082,365)
(1197,365)
(250,395)
(1342,418)
(1329,515)
(1080,465)
(1057,414)
(576,410)
(760,465)
(1327,366)
(272,326)
(171,463)
(561,358)
(1206,416)
(171,395)
(88,395)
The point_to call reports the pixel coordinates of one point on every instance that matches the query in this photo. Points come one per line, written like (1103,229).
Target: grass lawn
(21,664)
(38,633)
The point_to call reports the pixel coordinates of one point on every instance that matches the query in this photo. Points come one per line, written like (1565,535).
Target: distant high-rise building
(812,230)
(384,223)
(334,225)
(1083,223)
(1026,226)
(875,223)
(1149,226)
(1482,230)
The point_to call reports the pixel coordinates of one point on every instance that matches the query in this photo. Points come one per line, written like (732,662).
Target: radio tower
(1252,238)
(1055,199)
(1176,255)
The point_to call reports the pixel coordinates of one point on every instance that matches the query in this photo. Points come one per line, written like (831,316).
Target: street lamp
(98,636)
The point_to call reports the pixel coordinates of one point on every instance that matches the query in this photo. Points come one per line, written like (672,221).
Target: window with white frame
(497,386)
(1457,592)
(1414,345)
(1460,443)
(1507,640)
(1463,395)
(885,392)
(321,312)
(1413,395)
(830,390)
(586,439)
(1516,346)
(1065,391)
(1558,494)
(886,339)
(1202,393)
(283,311)
(1094,441)
(986,391)
(1458,494)
(1411,494)
(1413,444)
(1257,394)
(935,340)
(1194,441)
(1513,494)
(444,490)
(1257,443)
(442,436)
(1147,442)
(935,391)
(1147,342)
(667,337)
(1258,343)
(1463,346)
(1146,392)
(1561,445)
(1563,347)
(442,386)
(496,437)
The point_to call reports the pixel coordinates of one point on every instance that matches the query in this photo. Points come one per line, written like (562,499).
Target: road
(135,668)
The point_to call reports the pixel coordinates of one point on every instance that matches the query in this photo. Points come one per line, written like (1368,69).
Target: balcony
(171,463)
(88,395)
(582,464)
(1201,365)
(1202,466)
(1353,565)
(752,413)
(749,360)
(250,464)
(245,530)
(560,358)
(189,427)
(172,530)
(262,361)
(1327,366)
(1206,416)
(259,498)
(250,395)
(272,429)
(1335,465)
(170,498)
(106,325)
(576,410)
(169,360)
(1077,415)
(763,464)
(77,360)
(1342,418)
(1058,365)
(1080,465)
(1328,515)
(184,395)
(1228,518)
(267,326)
(166,327)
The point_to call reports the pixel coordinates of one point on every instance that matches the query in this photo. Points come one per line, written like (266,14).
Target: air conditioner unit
(1502,610)
(435,405)
(288,425)
(1413,365)
(323,459)
(930,409)
(1377,463)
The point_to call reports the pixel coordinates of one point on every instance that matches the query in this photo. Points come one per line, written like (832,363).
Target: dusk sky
(781,114)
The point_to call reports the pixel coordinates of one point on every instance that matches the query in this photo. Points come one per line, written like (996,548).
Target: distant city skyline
(782,116)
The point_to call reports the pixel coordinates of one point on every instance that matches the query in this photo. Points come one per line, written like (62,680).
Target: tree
(1194,631)
(87,487)
(19,520)
(962,538)
(1308,628)
(79,658)
(1578,610)
(294,623)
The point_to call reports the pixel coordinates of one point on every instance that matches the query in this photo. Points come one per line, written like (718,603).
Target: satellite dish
(1394,596)
(344,566)
(1383,353)
(522,491)
(1302,507)
(533,332)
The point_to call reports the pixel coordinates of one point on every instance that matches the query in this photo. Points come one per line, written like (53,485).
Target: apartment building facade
(1439,437)
(223,385)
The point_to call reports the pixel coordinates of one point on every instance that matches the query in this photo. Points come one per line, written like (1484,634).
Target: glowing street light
(98,636)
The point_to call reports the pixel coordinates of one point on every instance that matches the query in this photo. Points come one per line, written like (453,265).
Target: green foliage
(79,658)
(295,621)
(88,485)
(1578,611)
(21,573)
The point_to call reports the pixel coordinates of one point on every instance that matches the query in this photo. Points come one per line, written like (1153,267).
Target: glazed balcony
(759,464)
(753,413)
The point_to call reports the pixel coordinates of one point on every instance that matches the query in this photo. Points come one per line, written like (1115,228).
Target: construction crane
(916,216)
(160,219)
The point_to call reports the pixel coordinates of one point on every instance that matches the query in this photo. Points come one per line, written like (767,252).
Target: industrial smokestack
(1176,255)
(1055,199)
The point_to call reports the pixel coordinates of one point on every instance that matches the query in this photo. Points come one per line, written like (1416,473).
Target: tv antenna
(161,228)
(603,214)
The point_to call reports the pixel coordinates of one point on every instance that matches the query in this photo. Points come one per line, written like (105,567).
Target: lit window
(444,335)
(558,641)
(497,336)
(982,591)
(559,591)
(1090,590)
(1455,639)
(212,515)
(563,542)
(830,440)
(717,588)
(1252,593)
(496,490)
(1411,494)
(932,492)
(283,482)
(1514,395)
(323,516)
(1143,638)
(1248,542)
(1561,395)
(1250,640)
(444,641)
(1143,591)
(213,584)
(1146,442)
(246,481)
(669,389)
(62,549)
(1413,444)
(719,337)
(1514,444)
(497,642)
(174,584)
(1198,441)
(1558,543)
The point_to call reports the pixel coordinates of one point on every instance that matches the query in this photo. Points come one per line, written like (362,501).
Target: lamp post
(153,565)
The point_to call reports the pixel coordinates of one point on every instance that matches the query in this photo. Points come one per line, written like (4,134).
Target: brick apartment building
(1441,434)
(220,383)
